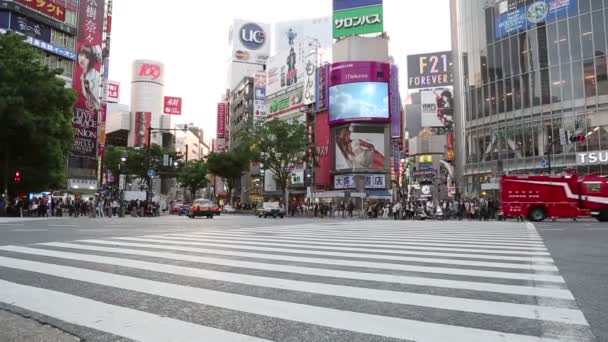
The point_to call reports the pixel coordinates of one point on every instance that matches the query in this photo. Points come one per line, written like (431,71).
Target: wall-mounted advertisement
(28,27)
(322,89)
(221,120)
(286,70)
(365,101)
(323,155)
(395,103)
(437,107)
(430,70)
(293,33)
(310,80)
(340,5)
(87,79)
(143,122)
(148,71)
(113,93)
(359,150)
(172,105)
(351,72)
(286,104)
(515,15)
(343,182)
(250,42)
(51,8)
(358,20)
(259,100)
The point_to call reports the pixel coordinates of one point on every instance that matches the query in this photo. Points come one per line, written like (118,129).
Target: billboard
(343,182)
(148,71)
(515,15)
(428,103)
(450,146)
(286,104)
(286,70)
(87,79)
(296,32)
(359,150)
(143,122)
(55,10)
(350,72)
(364,101)
(113,94)
(310,80)
(172,105)
(360,20)
(221,119)
(250,42)
(323,155)
(340,5)
(430,70)
(395,103)
(28,27)
(322,89)
(259,100)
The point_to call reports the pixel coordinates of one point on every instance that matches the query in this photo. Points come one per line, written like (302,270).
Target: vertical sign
(259,101)
(87,78)
(310,79)
(322,89)
(172,105)
(395,105)
(396,158)
(113,94)
(221,120)
(143,122)
(451,146)
(323,155)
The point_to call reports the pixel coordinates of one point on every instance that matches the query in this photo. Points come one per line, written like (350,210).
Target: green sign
(361,20)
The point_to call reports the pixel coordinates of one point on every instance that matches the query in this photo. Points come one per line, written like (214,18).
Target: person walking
(351,207)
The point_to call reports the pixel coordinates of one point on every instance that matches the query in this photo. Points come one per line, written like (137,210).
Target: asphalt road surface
(248,279)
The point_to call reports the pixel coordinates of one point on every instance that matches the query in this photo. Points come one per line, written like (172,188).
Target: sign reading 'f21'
(360,20)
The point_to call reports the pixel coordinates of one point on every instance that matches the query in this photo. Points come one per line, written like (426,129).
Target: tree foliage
(140,161)
(193,176)
(36,134)
(229,166)
(279,146)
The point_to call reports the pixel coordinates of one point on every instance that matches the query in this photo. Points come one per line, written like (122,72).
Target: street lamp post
(123,159)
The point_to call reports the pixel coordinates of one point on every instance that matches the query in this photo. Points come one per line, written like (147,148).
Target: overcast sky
(191,40)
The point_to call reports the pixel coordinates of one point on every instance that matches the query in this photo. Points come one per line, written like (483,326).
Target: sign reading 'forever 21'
(592,158)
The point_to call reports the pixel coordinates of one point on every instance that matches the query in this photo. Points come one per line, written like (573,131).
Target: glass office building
(527,69)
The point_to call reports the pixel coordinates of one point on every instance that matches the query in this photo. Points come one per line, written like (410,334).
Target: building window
(70,17)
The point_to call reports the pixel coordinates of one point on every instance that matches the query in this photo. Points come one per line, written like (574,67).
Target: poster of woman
(89,64)
(356,150)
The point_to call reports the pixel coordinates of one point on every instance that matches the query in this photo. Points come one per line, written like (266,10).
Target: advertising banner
(148,71)
(221,120)
(340,5)
(515,15)
(430,70)
(395,103)
(361,20)
(342,182)
(428,102)
(365,101)
(437,107)
(53,9)
(296,32)
(259,101)
(592,158)
(322,89)
(396,157)
(358,150)
(286,104)
(143,122)
(172,105)
(351,72)
(87,78)
(450,146)
(113,94)
(286,70)
(30,28)
(250,42)
(310,81)
(323,155)
(63,52)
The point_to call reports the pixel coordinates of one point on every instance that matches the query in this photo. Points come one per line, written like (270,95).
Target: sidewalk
(25,219)
(14,328)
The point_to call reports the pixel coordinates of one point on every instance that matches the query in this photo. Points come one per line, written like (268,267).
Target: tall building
(532,88)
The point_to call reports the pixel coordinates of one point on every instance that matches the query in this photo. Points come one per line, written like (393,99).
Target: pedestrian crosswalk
(346,281)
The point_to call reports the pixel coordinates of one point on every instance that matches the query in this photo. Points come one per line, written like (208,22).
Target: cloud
(344,105)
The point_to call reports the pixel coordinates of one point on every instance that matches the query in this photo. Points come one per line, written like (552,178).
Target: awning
(379,194)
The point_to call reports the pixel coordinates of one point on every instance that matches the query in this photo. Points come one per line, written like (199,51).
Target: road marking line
(63,225)
(333,318)
(29,230)
(597,229)
(353,263)
(568,316)
(404,250)
(556,229)
(375,277)
(113,319)
(223,246)
(309,241)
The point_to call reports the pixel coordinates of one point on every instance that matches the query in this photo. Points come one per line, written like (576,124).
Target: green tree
(229,166)
(36,134)
(193,176)
(279,146)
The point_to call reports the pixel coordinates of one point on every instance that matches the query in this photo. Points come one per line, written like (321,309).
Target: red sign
(51,8)
(113,91)
(143,122)
(87,77)
(221,120)
(173,105)
(323,155)
(152,71)
(451,146)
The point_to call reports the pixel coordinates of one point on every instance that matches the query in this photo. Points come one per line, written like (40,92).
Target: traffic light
(577,138)
(17,178)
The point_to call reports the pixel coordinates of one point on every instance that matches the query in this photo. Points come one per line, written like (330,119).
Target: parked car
(203,207)
(272,209)
(228,209)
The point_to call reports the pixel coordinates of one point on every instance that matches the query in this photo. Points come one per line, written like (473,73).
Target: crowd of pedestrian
(322,209)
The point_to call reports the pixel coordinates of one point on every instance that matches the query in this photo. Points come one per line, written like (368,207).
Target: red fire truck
(556,196)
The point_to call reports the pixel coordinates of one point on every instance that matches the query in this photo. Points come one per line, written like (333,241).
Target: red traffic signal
(577,138)
(17,177)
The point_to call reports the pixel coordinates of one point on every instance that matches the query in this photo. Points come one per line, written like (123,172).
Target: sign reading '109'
(430,70)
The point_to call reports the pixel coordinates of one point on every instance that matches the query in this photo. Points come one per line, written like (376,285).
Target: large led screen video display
(363,101)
